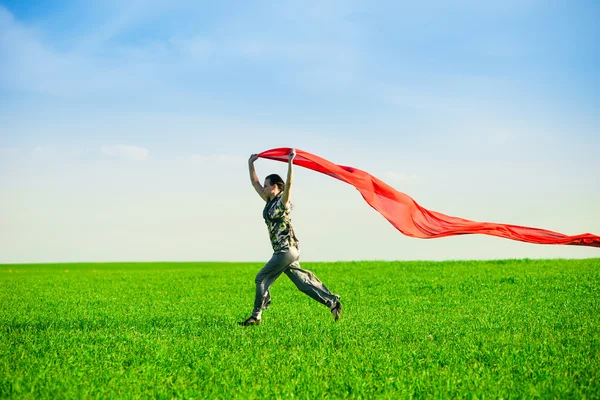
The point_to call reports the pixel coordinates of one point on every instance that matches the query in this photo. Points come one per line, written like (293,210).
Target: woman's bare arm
(254,178)
(290,178)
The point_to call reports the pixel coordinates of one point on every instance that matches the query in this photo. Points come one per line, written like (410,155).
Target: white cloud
(124,152)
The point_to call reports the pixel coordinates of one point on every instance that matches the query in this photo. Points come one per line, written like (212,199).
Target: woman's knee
(259,279)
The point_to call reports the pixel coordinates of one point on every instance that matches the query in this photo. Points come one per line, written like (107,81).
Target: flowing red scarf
(415,221)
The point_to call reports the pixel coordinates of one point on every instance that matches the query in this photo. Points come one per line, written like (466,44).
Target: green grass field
(497,329)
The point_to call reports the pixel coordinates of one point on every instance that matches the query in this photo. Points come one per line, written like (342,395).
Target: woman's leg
(308,283)
(266,276)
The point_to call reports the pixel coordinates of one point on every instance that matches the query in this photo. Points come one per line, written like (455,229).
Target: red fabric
(415,221)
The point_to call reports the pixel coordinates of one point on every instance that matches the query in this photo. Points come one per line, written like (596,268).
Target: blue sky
(124,125)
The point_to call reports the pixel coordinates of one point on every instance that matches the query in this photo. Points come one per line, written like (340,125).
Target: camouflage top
(279,224)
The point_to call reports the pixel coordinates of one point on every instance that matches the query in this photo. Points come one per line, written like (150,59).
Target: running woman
(286,253)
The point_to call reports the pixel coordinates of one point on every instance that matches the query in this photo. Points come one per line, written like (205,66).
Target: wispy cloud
(98,62)
(124,152)
(32,65)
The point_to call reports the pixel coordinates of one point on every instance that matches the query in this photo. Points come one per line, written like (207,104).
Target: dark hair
(275,179)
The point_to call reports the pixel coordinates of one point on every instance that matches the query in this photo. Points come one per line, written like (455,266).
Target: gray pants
(287,261)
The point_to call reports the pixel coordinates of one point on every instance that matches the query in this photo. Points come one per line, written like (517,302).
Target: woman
(286,254)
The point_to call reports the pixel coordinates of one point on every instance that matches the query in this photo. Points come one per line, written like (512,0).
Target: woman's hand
(292,155)
(252,158)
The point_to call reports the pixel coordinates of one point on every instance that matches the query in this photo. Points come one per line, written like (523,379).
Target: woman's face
(270,190)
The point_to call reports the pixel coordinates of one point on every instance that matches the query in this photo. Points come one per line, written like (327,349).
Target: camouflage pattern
(277,217)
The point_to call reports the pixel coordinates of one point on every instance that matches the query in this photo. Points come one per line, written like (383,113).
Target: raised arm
(254,178)
(290,177)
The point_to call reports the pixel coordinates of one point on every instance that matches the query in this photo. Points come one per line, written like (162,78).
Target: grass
(486,329)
